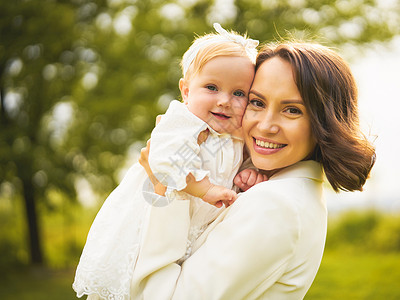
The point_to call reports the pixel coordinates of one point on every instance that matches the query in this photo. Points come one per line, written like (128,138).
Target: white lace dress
(108,259)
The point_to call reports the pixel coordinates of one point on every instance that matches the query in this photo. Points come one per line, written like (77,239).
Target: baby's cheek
(240,107)
(239,113)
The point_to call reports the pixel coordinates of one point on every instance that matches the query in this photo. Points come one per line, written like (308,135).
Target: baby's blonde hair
(209,46)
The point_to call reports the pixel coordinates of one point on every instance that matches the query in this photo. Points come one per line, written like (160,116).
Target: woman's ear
(184,87)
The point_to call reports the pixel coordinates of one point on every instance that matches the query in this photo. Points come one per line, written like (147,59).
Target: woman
(301,122)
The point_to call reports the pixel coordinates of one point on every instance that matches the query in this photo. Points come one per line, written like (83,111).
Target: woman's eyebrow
(257,94)
(290,101)
(286,101)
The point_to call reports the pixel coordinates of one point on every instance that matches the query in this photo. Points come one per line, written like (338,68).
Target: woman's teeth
(269,145)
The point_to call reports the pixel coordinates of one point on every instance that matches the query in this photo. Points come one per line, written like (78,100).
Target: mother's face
(276,124)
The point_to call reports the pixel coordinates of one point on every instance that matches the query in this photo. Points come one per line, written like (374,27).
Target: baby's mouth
(220,116)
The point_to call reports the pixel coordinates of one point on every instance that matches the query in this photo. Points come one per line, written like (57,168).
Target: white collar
(302,169)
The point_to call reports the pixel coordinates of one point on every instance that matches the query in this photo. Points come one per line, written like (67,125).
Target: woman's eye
(257,103)
(211,87)
(239,94)
(293,111)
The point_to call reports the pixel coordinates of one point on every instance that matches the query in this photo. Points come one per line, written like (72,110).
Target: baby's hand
(248,178)
(218,195)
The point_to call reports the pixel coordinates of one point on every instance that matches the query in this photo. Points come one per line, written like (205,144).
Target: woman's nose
(269,124)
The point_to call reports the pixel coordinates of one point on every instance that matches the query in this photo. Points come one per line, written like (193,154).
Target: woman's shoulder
(288,194)
(266,198)
(305,177)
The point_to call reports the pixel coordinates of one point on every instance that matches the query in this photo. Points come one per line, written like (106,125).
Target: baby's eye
(238,94)
(257,103)
(212,87)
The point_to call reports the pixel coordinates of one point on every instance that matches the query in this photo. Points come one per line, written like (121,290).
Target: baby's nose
(224,99)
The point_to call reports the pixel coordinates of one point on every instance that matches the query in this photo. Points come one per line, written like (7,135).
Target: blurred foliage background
(81,82)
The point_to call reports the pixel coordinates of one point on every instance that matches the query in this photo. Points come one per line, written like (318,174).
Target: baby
(196,151)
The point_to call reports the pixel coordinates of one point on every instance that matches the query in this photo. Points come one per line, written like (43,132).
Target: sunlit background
(81,82)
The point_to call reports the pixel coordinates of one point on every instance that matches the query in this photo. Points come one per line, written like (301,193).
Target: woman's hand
(144,161)
(248,178)
(158,119)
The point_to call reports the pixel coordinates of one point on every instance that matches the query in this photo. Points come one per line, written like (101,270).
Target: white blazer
(267,245)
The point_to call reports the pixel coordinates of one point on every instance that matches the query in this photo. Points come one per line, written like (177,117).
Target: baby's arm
(213,194)
(204,189)
(248,178)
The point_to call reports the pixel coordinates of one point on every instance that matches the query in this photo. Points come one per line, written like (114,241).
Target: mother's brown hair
(328,89)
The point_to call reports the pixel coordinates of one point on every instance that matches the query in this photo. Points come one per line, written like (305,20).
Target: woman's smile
(263,146)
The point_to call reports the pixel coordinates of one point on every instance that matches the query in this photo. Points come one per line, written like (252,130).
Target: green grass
(37,284)
(352,275)
(343,275)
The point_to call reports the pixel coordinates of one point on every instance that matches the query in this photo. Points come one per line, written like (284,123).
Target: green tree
(37,71)
(333,22)
(82,80)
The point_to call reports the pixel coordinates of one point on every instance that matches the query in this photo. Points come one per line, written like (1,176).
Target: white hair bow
(249,45)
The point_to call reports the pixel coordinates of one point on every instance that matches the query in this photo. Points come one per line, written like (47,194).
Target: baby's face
(218,94)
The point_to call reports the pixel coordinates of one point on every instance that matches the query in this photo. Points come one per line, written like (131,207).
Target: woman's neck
(270,173)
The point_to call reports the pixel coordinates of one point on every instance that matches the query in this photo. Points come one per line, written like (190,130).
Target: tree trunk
(36,255)
(3,116)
